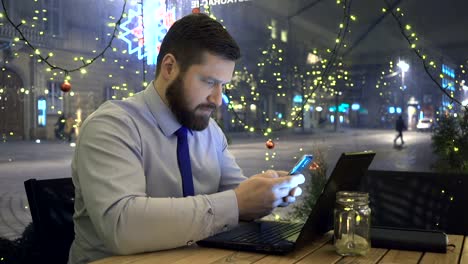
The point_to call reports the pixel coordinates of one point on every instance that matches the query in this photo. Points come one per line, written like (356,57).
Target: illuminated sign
(343,108)
(297,99)
(143,31)
(355,106)
(197,3)
(41,112)
(447,83)
(145,26)
(448,71)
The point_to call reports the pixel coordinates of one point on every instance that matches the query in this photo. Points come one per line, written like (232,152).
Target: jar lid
(351,197)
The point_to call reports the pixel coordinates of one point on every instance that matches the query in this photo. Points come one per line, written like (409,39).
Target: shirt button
(210,211)
(190,242)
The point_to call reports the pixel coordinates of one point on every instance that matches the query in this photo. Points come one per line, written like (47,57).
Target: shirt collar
(166,120)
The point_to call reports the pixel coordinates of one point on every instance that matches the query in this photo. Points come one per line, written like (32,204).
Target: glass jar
(352,223)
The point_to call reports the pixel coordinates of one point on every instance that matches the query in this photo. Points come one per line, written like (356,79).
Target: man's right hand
(261,193)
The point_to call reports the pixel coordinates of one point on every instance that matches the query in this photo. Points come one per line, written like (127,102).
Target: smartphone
(301,164)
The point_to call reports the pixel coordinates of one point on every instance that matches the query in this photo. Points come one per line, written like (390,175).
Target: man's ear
(169,67)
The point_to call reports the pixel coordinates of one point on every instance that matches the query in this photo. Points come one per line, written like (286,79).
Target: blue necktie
(183,159)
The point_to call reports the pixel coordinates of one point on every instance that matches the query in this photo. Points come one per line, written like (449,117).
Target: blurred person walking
(399,127)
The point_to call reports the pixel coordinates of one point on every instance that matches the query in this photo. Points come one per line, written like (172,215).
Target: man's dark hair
(194,34)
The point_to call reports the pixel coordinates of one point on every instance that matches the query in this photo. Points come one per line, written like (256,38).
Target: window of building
(52,17)
(54,98)
(109,93)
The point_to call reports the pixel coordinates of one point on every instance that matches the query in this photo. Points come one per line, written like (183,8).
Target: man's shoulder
(129,111)
(109,109)
(121,107)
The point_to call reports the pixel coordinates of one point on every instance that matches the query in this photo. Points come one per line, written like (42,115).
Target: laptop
(275,237)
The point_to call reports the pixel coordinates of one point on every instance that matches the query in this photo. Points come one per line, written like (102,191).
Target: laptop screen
(346,176)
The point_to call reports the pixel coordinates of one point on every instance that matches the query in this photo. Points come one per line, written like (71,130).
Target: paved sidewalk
(22,160)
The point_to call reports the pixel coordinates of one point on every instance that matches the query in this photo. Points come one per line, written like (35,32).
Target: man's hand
(261,193)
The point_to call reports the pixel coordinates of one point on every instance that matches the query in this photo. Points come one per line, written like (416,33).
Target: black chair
(51,203)
(420,200)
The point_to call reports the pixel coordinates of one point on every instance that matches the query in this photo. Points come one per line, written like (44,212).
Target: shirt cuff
(225,210)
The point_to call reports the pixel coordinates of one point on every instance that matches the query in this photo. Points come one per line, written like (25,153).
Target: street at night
(23,160)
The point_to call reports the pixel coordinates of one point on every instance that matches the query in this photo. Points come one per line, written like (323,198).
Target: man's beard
(177,101)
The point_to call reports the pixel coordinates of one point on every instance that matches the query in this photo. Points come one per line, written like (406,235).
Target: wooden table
(321,251)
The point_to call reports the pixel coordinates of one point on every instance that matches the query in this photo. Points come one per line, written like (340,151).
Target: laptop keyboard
(270,233)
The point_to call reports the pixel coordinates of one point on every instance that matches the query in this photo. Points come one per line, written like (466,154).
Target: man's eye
(210,82)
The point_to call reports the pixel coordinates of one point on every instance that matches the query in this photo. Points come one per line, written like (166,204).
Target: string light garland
(56,86)
(207,9)
(422,57)
(325,76)
(46,59)
(338,45)
(322,81)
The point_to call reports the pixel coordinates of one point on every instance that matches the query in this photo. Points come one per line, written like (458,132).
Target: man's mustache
(207,106)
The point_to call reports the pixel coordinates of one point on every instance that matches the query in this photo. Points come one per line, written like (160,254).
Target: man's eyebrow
(216,80)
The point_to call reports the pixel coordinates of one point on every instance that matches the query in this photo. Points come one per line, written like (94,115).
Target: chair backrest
(422,200)
(51,203)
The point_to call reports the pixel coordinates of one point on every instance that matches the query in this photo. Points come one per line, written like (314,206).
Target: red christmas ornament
(314,166)
(270,144)
(196,10)
(65,86)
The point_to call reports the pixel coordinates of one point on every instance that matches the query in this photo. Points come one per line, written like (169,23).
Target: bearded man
(154,172)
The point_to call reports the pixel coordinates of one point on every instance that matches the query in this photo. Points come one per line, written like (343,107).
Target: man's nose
(216,96)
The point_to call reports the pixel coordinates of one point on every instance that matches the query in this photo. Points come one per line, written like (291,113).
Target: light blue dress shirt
(128,196)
